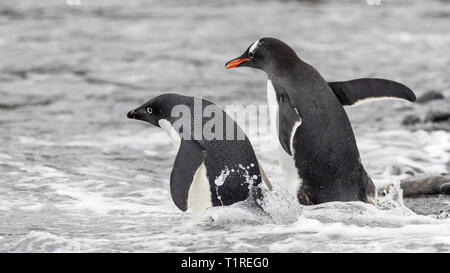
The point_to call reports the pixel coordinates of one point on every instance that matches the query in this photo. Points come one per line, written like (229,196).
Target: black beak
(131,114)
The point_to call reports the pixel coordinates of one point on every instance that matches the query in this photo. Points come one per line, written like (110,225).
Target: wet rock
(438,116)
(445,188)
(411,120)
(429,96)
(432,205)
(424,186)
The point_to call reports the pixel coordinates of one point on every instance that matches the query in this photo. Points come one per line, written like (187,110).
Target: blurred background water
(76,175)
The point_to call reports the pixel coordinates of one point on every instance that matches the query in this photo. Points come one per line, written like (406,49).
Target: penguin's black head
(152,111)
(267,54)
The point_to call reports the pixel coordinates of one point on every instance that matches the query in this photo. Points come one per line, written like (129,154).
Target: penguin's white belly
(199,197)
(287,163)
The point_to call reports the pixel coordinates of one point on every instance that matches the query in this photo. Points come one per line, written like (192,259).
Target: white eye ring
(149,110)
(251,54)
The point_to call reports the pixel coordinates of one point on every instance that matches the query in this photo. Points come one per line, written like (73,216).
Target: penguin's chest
(287,162)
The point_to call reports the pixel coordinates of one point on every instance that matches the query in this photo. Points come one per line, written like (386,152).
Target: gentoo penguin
(209,170)
(317,147)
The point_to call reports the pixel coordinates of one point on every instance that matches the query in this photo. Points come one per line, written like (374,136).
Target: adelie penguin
(209,170)
(317,147)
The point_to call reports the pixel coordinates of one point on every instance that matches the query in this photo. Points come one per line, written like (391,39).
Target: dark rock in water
(433,120)
(424,186)
(411,120)
(437,116)
(429,96)
(445,188)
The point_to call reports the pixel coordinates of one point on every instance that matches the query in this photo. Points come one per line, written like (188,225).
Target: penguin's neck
(287,69)
(174,136)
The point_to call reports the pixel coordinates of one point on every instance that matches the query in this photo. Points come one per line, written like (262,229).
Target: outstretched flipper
(189,158)
(356,91)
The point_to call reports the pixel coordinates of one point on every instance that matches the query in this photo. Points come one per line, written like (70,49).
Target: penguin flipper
(189,158)
(356,91)
(287,124)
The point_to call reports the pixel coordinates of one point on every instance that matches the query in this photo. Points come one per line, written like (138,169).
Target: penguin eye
(281,98)
(149,110)
(250,54)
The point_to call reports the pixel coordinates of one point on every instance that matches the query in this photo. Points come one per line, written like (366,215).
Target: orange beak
(235,63)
